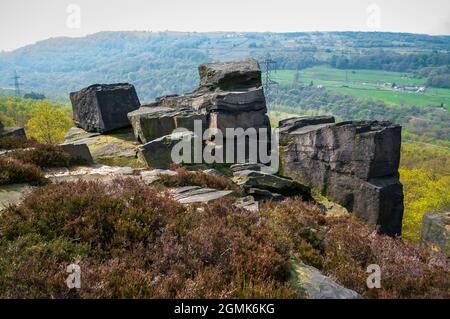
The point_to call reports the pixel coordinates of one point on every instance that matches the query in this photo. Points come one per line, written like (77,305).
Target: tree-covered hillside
(321,70)
(165,62)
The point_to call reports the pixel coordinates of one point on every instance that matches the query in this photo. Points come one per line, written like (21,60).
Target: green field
(368,84)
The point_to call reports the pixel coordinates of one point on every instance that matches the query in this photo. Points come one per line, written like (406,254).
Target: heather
(343,248)
(14,171)
(135,241)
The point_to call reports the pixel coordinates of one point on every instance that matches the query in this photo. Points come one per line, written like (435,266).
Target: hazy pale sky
(24,22)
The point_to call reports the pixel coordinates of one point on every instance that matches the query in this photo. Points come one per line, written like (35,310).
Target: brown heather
(134,241)
(42,155)
(343,248)
(14,142)
(13,171)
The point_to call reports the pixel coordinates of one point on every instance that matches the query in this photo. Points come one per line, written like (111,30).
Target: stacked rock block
(104,107)
(230,96)
(353,163)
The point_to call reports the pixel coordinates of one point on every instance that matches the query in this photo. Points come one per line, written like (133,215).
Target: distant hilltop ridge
(61,65)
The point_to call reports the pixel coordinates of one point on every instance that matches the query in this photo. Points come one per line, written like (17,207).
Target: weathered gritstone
(230,96)
(353,163)
(104,107)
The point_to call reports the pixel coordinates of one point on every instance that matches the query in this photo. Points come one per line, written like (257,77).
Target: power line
(268,83)
(16,79)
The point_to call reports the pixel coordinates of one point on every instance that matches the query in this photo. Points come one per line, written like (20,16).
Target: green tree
(48,124)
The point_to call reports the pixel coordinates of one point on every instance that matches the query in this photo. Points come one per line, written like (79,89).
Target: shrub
(132,240)
(43,155)
(407,271)
(197,178)
(13,142)
(13,171)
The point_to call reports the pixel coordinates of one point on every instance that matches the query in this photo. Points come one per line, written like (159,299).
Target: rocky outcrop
(353,163)
(230,96)
(436,230)
(104,107)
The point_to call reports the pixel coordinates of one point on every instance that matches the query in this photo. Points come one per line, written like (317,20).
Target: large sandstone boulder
(436,230)
(353,163)
(230,75)
(104,107)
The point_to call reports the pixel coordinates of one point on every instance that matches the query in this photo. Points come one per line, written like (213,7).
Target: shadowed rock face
(104,107)
(353,163)
(1,126)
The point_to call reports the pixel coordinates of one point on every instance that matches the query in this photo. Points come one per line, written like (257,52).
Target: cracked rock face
(353,163)
(104,107)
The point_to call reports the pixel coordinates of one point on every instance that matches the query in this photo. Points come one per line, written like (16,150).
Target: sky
(24,22)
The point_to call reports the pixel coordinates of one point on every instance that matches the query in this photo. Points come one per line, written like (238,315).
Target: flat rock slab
(195,194)
(312,284)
